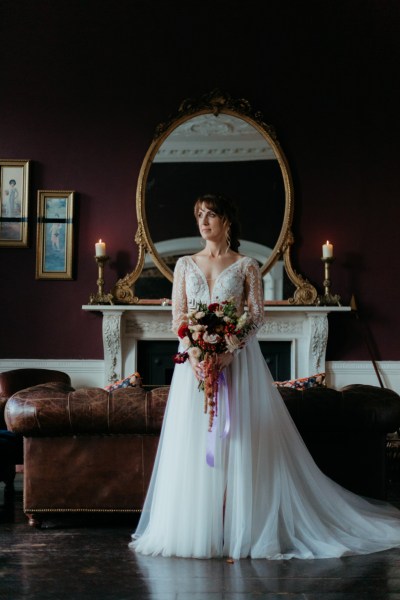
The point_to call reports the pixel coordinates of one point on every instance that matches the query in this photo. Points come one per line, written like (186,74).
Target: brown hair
(225,208)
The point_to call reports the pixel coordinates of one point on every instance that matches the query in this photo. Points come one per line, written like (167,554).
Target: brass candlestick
(100,297)
(328,299)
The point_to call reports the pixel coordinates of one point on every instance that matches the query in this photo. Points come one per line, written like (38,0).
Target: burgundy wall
(84,84)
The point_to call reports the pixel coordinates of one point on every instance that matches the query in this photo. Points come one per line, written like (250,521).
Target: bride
(264,497)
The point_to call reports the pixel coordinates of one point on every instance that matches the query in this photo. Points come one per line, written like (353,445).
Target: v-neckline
(210,293)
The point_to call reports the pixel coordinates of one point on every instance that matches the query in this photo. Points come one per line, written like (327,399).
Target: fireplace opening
(155,363)
(277,356)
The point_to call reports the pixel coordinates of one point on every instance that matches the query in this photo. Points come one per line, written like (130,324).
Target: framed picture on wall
(14,187)
(54,244)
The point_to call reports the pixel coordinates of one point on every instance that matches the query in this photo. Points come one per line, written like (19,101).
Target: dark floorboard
(70,558)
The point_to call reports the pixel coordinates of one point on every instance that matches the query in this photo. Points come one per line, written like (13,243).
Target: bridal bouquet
(210,330)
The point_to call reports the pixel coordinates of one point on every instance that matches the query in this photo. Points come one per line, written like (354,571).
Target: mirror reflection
(218,154)
(215,145)
(215,154)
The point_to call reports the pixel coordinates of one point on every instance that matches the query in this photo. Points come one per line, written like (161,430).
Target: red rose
(180,358)
(183,330)
(213,307)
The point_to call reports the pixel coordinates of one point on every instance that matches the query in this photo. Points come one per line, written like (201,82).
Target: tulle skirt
(265,497)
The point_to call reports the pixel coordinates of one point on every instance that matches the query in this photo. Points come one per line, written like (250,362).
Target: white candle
(100,248)
(327,250)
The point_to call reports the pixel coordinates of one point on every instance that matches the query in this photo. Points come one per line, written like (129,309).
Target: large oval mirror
(214,145)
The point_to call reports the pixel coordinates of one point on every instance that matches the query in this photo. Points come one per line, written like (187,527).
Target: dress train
(265,497)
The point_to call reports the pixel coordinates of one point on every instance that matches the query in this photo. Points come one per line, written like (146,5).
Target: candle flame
(99,241)
(327,241)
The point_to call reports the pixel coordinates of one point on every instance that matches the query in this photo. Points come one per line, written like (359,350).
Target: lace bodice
(240,281)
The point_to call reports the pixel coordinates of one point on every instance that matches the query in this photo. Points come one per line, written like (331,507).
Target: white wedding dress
(265,497)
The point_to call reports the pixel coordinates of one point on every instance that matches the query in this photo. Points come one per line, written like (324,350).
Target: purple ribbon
(211,435)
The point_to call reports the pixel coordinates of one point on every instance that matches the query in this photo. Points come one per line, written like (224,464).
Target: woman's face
(211,225)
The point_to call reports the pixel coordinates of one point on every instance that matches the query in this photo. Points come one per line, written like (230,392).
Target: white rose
(242,320)
(195,335)
(211,339)
(227,320)
(199,315)
(219,313)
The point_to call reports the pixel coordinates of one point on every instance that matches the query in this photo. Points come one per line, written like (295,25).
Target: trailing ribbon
(211,435)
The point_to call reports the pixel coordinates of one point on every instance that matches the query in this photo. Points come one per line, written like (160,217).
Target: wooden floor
(77,558)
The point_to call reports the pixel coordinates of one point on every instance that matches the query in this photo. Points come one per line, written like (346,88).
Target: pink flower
(194,352)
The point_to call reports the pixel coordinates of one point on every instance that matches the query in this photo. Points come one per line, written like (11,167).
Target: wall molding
(83,373)
(90,373)
(342,373)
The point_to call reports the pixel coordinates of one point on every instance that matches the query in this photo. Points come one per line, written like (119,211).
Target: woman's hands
(224,360)
(197,367)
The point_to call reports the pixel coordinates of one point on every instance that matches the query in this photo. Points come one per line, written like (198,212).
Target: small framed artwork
(14,187)
(54,244)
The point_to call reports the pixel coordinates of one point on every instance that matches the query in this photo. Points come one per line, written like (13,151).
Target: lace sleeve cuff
(179,300)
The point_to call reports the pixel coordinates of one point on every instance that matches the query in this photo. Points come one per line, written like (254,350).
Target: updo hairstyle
(225,208)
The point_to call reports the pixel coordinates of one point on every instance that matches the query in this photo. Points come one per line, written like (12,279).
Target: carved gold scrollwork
(123,291)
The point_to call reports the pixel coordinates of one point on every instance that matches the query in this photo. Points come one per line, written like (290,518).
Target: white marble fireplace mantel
(306,327)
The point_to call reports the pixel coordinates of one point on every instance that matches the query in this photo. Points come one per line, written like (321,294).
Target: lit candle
(100,248)
(327,250)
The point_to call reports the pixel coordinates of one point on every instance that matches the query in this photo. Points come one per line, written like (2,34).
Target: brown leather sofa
(89,450)
(11,444)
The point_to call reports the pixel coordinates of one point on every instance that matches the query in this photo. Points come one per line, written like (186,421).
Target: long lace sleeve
(254,295)
(179,300)
(254,298)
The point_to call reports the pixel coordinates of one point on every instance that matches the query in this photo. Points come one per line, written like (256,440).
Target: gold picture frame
(14,191)
(54,243)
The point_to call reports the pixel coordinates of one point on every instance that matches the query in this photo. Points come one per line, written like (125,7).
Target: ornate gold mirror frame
(216,103)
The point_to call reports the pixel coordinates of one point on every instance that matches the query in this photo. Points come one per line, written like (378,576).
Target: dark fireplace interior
(155,362)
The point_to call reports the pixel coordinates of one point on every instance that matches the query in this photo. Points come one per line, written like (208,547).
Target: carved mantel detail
(319,340)
(112,345)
